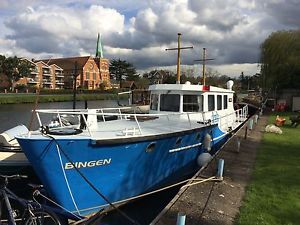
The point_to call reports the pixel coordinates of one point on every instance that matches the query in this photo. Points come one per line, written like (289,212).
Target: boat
(87,167)
(12,159)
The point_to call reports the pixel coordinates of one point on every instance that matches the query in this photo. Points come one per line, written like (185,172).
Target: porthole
(178,141)
(198,136)
(151,147)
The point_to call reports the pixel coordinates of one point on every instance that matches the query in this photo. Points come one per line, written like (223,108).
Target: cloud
(139,31)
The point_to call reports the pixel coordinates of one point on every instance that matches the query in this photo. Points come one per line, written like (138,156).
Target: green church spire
(99,51)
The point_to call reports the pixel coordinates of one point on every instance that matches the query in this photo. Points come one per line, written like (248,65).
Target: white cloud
(139,31)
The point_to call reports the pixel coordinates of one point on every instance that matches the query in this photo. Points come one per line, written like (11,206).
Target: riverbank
(30,98)
(214,203)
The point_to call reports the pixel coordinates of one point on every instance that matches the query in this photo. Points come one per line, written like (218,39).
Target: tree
(280,65)
(122,70)
(14,68)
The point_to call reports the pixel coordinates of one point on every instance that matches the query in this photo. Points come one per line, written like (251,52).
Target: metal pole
(178,60)
(180,219)
(74,85)
(203,65)
(220,169)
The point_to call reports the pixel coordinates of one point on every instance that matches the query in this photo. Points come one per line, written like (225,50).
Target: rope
(67,182)
(92,186)
(208,197)
(53,202)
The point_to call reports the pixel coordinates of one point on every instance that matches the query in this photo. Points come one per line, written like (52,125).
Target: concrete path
(213,203)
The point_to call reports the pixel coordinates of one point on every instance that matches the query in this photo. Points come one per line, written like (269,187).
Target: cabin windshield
(154,102)
(192,103)
(170,102)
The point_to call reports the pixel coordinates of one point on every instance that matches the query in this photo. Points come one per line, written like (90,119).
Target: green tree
(14,68)
(280,64)
(122,70)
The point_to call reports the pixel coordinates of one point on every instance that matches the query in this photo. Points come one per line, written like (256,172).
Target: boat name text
(93,163)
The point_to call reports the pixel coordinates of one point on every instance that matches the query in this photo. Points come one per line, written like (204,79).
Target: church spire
(99,51)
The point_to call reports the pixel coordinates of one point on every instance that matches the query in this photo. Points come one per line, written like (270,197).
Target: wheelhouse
(183,98)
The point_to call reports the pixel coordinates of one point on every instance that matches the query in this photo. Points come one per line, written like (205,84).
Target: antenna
(203,60)
(178,56)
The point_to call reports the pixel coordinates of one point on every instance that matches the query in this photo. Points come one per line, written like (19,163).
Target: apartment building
(43,75)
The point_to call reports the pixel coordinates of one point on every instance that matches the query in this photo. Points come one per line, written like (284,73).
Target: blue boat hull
(116,170)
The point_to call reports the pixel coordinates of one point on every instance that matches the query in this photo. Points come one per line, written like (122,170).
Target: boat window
(211,102)
(154,102)
(192,103)
(225,101)
(169,102)
(219,102)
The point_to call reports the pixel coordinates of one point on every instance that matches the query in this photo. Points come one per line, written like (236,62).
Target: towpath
(213,203)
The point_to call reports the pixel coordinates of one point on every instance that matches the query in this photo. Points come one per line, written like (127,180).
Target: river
(12,115)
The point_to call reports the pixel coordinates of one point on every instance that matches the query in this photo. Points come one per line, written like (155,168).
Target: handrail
(239,114)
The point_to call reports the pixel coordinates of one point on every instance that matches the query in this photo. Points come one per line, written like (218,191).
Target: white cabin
(211,102)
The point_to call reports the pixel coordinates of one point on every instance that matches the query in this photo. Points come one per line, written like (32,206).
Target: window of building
(211,102)
(219,102)
(225,101)
(192,103)
(94,76)
(170,102)
(87,75)
(154,102)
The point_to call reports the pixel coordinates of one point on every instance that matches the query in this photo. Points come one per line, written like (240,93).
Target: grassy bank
(30,98)
(273,197)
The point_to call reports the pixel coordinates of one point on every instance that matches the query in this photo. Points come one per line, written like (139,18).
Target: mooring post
(238,143)
(180,219)
(220,169)
(246,132)
(255,119)
(250,124)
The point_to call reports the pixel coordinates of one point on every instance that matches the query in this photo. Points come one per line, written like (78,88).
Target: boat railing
(232,120)
(88,119)
(86,116)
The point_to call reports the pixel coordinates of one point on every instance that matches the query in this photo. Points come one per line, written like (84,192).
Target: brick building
(91,72)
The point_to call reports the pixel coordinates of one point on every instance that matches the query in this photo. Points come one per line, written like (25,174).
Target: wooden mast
(203,60)
(178,56)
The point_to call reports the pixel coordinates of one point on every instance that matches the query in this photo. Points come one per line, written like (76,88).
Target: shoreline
(31,98)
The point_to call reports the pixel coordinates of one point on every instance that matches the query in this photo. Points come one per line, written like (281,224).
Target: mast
(203,65)
(203,60)
(178,56)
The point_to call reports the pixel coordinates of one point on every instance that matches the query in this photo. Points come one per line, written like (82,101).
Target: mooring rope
(53,202)
(92,186)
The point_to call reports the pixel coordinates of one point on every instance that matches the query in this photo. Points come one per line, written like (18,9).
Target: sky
(139,31)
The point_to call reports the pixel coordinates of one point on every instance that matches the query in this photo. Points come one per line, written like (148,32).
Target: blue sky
(139,31)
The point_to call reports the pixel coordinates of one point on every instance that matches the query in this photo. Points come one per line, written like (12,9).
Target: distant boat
(87,166)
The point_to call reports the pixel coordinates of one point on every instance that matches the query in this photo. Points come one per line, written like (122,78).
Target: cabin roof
(186,87)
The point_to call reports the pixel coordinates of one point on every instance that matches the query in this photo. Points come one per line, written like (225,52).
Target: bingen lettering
(93,163)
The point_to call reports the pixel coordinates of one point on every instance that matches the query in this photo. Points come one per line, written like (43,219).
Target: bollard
(238,143)
(255,119)
(246,132)
(16,90)
(220,169)
(180,219)
(250,124)
(5,91)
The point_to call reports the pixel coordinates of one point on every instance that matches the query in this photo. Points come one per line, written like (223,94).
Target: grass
(30,98)
(273,196)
